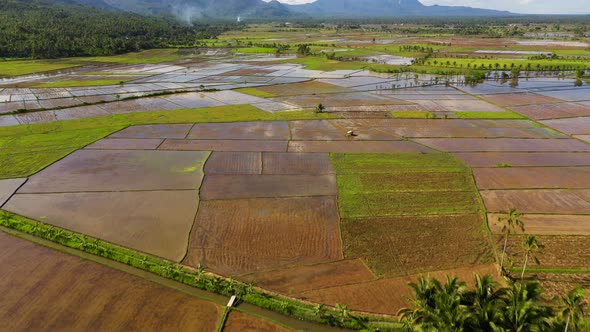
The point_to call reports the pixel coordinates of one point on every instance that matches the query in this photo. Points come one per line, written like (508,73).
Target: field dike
(201,279)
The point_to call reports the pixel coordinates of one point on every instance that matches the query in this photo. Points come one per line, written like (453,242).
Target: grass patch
(413,115)
(256,92)
(488,115)
(67,84)
(25,67)
(346,163)
(26,149)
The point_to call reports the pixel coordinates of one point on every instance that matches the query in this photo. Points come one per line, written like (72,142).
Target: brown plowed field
(297,163)
(267,130)
(440,242)
(489,159)
(466,132)
(321,130)
(514,99)
(305,278)
(585,194)
(559,284)
(560,251)
(224,145)
(532,177)
(505,144)
(388,296)
(126,144)
(45,290)
(357,146)
(253,186)
(234,163)
(240,322)
(364,133)
(235,237)
(155,131)
(577,126)
(108,170)
(552,111)
(547,224)
(535,201)
(583,137)
(155,222)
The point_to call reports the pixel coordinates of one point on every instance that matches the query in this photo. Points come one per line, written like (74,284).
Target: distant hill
(194,9)
(386,8)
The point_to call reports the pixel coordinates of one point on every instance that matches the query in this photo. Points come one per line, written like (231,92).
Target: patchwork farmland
(227,175)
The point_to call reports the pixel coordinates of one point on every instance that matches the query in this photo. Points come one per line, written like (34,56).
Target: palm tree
(531,246)
(573,308)
(485,302)
(509,223)
(522,311)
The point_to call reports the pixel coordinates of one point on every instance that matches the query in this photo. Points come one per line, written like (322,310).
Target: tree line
(43,29)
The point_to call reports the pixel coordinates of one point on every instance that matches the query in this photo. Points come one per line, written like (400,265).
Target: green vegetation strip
(256,92)
(488,115)
(26,149)
(198,277)
(377,185)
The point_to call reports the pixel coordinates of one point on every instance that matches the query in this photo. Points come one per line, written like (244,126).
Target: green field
(26,67)
(26,149)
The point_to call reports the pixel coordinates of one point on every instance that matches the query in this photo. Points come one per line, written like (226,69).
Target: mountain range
(194,9)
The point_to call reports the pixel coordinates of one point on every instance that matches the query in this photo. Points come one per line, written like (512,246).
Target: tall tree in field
(573,310)
(509,223)
(531,246)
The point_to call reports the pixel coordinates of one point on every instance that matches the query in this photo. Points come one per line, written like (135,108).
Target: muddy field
(491,159)
(388,295)
(547,224)
(559,251)
(535,201)
(506,144)
(234,237)
(239,322)
(79,295)
(532,177)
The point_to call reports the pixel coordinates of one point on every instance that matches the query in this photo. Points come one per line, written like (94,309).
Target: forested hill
(49,29)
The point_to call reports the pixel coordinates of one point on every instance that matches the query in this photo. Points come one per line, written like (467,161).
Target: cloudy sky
(517,6)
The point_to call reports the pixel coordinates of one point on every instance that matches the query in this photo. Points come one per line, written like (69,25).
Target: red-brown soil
(224,145)
(535,201)
(357,146)
(547,224)
(490,159)
(234,163)
(297,163)
(514,99)
(305,278)
(234,237)
(552,111)
(126,144)
(577,126)
(532,177)
(155,131)
(505,144)
(240,322)
(252,186)
(321,130)
(155,222)
(106,170)
(388,296)
(269,130)
(43,289)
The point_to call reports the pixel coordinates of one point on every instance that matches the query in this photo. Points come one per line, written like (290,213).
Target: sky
(516,6)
